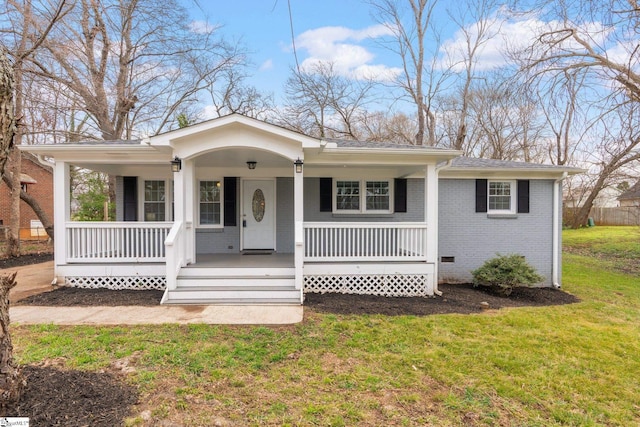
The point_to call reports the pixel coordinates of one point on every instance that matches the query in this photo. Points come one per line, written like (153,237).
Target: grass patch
(562,365)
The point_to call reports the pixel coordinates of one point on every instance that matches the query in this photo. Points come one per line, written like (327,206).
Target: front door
(258,214)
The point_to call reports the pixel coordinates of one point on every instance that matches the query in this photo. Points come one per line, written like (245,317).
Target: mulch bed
(58,397)
(463,299)
(75,297)
(27,259)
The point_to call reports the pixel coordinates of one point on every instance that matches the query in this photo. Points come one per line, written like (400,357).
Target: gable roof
(470,163)
(632,193)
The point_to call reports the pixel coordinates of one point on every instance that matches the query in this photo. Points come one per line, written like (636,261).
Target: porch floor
(272,260)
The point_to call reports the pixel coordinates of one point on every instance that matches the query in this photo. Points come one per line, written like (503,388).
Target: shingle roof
(346,143)
(632,193)
(474,163)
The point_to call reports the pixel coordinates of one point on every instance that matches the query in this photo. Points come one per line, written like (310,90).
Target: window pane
(378,195)
(154,198)
(348,195)
(500,196)
(210,202)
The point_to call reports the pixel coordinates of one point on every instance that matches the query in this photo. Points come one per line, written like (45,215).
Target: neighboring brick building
(38,181)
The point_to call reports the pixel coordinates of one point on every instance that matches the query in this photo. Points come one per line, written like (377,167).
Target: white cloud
(508,34)
(339,46)
(266,65)
(202,27)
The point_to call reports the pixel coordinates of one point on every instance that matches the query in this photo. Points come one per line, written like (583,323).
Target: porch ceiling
(238,157)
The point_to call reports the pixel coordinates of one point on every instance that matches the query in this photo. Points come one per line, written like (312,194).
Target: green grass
(573,365)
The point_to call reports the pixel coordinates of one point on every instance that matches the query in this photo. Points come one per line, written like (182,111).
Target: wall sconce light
(176,164)
(252,165)
(298,163)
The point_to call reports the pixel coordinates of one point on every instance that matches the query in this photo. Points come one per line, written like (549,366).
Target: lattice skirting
(118,282)
(390,285)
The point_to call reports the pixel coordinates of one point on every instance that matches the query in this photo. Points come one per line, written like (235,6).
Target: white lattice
(117,282)
(398,285)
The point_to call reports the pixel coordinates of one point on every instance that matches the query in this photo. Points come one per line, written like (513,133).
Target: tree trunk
(11,381)
(13,235)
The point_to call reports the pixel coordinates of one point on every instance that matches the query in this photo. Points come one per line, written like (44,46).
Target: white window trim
(197,201)
(168,199)
(513,202)
(363,197)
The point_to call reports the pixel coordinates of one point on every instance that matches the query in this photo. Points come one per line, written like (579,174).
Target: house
(36,178)
(236,210)
(631,197)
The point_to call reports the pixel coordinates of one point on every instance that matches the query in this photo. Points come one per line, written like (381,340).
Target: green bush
(506,272)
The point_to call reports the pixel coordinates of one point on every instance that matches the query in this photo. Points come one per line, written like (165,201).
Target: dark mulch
(56,397)
(27,259)
(67,296)
(464,299)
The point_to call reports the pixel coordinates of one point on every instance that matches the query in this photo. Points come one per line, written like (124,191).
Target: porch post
(298,218)
(431,217)
(187,197)
(61,212)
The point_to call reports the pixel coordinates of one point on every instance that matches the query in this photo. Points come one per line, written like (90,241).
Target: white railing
(365,241)
(104,242)
(175,247)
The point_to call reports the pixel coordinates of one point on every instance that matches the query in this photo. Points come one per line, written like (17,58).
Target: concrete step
(236,272)
(232,295)
(241,282)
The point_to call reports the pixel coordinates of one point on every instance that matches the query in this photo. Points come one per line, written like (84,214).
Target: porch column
(431,216)
(188,198)
(298,218)
(61,212)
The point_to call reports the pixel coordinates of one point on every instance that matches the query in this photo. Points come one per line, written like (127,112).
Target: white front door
(258,214)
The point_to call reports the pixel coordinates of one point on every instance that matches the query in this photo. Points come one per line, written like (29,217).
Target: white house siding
(472,238)
(119,198)
(415,205)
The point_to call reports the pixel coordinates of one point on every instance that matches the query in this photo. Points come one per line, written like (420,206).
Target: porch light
(298,163)
(176,164)
(252,165)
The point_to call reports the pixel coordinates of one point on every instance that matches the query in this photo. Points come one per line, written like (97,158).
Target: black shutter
(400,195)
(523,196)
(481,195)
(326,195)
(230,190)
(130,198)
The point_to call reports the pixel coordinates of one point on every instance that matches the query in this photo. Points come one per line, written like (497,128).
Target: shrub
(506,272)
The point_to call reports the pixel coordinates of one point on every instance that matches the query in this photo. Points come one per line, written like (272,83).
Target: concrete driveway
(32,279)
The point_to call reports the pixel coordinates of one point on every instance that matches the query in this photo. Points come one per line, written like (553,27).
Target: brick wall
(42,191)
(472,238)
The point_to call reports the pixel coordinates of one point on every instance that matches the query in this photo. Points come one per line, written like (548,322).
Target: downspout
(447,165)
(556,231)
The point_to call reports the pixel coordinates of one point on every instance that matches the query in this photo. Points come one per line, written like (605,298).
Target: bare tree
(419,82)
(322,103)
(598,40)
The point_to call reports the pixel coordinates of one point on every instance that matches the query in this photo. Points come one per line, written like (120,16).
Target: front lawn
(575,364)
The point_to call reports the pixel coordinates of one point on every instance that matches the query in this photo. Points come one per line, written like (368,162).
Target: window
(348,196)
(209,203)
(154,200)
(501,197)
(376,197)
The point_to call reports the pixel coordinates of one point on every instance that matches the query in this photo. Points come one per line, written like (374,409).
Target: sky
(327,29)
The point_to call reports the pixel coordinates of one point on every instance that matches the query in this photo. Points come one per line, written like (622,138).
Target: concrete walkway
(36,278)
(134,315)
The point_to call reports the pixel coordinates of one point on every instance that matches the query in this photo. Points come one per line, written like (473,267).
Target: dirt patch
(76,297)
(464,299)
(58,397)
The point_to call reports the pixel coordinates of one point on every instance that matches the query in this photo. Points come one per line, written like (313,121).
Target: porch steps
(233,295)
(234,285)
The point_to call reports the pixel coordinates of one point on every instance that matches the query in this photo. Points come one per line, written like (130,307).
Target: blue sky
(263,26)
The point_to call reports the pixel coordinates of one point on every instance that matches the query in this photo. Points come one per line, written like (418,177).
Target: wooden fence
(609,216)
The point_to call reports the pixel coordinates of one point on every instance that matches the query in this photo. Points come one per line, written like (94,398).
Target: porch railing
(116,241)
(365,241)
(175,246)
